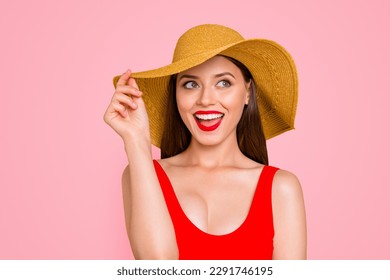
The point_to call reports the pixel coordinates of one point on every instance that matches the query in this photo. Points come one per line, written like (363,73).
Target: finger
(123,79)
(129,90)
(133,83)
(120,109)
(122,98)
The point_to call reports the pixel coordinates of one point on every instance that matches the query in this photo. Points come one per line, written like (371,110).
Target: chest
(215,202)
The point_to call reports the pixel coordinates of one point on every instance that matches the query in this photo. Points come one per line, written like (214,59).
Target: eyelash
(189,82)
(225,81)
(193,82)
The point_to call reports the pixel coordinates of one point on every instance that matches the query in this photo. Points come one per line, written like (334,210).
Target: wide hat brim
(271,66)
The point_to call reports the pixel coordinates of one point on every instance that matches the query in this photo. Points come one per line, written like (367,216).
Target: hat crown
(204,38)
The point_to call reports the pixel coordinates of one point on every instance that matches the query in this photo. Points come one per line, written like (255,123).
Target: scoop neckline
(239,228)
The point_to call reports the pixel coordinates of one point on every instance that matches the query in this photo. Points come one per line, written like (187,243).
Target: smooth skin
(213,180)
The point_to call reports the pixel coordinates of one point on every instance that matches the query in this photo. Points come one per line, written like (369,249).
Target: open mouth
(208,121)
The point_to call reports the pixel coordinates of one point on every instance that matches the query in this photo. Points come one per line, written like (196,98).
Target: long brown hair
(250,137)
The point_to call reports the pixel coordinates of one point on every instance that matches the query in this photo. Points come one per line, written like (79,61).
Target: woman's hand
(126,113)
(148,223)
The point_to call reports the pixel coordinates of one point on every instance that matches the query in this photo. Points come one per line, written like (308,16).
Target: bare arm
(289,217)
(149,226)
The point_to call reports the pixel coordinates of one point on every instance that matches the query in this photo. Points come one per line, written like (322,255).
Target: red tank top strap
(262,201)
(173,205)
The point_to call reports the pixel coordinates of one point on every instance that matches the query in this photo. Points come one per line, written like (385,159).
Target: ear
(248,92)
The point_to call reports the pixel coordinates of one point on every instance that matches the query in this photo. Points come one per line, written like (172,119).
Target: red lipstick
(205,127)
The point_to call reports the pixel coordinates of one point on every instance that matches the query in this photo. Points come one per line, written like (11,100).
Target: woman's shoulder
(286,186)
(285,177)
(289,217)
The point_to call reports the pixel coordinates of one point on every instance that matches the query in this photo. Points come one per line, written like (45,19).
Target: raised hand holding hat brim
(127,113)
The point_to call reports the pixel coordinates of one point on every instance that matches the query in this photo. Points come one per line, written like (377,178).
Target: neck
(226,153)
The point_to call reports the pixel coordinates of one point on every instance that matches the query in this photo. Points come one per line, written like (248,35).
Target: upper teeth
(208,116)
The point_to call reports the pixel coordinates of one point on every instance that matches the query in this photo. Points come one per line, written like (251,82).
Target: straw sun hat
(271,66)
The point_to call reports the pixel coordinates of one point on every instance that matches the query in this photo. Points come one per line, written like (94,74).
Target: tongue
(209,122)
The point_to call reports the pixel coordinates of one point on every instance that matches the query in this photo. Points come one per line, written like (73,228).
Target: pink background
(60,164)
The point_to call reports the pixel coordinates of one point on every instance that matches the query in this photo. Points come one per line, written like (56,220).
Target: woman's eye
(224,83)
(190,84)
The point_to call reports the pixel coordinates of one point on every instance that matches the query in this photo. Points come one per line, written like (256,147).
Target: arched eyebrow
(189,77)
(215,76)
(224,74)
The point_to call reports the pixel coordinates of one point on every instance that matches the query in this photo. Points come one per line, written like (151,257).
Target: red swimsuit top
(253,240)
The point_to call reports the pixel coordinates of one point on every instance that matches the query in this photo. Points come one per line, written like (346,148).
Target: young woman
(213,194)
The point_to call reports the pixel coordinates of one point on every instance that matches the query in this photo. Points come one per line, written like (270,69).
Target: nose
(207,96)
